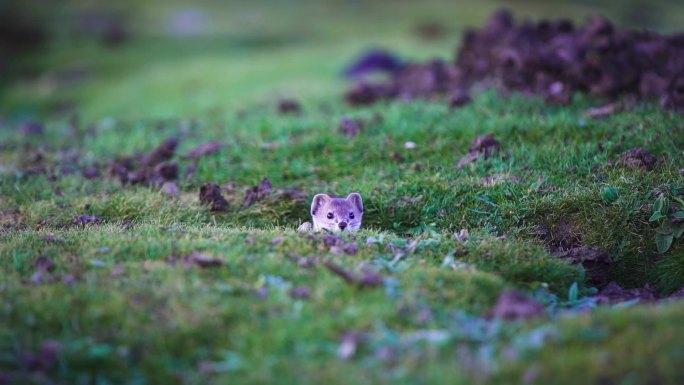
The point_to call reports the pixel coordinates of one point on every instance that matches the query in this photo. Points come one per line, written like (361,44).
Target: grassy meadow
(120,299)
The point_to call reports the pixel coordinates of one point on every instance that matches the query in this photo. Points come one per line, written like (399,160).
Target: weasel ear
(356,200)
(318,202)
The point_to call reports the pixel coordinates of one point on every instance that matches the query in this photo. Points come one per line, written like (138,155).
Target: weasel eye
(351,215)
(330,215)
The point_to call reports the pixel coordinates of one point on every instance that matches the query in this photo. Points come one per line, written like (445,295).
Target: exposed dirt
(613,293)
(153,168)
(564,241)
(210,194)
(258,192)
(374,61)
(638,158)
(551,58)
(596,262)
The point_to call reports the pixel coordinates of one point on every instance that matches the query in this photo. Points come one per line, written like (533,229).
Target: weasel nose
(343,225)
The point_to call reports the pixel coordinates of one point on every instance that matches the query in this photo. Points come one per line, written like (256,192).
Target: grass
(122,313)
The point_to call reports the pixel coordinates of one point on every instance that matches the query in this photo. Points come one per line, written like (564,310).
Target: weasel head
(337,214)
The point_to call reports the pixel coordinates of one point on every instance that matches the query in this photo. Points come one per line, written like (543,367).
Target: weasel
(335,214)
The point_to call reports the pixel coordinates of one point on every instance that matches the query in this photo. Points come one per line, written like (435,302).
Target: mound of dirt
(550,58)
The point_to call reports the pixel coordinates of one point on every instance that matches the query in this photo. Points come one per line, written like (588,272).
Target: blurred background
(164,59)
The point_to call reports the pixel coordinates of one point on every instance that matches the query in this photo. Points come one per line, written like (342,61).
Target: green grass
(121,313)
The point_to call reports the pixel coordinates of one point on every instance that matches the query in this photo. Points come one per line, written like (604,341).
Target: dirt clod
(258,192)
(210,194)
(167,170)
(638,158)
(152,168)
(550,58)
